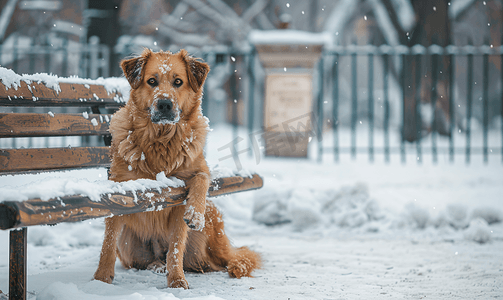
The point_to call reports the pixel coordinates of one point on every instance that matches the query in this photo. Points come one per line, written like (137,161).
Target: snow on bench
(41,88)
(54,200)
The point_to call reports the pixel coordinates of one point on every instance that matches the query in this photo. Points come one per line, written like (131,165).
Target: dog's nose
(164,106)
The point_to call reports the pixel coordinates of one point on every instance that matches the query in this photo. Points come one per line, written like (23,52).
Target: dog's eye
(152,82)
(178,82)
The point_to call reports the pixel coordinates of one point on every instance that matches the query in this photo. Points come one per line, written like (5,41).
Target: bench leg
(17,264)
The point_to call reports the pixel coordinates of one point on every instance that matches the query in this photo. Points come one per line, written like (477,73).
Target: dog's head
(165,85)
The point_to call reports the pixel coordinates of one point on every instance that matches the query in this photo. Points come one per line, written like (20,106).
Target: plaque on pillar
(289,58)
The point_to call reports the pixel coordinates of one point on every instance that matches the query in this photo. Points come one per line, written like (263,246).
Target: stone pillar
(289,58)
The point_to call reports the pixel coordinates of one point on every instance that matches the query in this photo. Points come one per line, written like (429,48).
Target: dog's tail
(243,262)
(240,262)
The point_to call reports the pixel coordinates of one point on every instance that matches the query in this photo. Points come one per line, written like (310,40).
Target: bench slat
(78,208)
(37,94)
(33,125)
(24,160)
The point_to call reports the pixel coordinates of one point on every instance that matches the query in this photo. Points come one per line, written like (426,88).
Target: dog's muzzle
(163,111)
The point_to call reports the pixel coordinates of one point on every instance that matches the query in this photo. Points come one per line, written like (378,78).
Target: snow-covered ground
(352,230)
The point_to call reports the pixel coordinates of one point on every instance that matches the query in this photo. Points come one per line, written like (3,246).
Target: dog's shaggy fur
(162,129)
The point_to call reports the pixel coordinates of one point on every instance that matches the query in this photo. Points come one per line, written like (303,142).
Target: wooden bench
(17,215)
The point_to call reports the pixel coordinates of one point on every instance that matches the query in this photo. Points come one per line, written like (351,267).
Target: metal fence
(63,57)
(457,58)
(472,81)
(360,94)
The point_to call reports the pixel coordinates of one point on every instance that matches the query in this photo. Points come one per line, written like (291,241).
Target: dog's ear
(133,68)
(197,71)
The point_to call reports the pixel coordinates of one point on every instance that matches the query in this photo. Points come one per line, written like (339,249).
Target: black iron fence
(377,101)
(410,65)
(61,56)
(447,97)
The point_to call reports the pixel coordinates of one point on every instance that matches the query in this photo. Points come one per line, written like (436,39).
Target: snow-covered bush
(489,214)
(478,231)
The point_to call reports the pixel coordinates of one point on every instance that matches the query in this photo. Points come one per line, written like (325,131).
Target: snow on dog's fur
(162,129)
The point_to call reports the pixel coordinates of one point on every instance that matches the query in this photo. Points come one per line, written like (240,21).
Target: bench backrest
(50,124)
(71,208)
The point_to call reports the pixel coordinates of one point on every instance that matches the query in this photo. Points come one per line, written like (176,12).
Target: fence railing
(445,66)
(435,86)
(64,58)
(367,98)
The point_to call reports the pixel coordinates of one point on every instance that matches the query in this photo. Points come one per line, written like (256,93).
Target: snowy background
(347,230)
(352,230)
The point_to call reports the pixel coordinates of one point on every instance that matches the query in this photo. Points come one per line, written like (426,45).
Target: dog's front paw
(178,283)
(194,218)
(105,276)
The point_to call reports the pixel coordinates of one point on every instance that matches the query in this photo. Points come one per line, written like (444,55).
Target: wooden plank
(78,208)
(70,94)
(17,264)
(21,160)
(228,185)
(32,124)
(22,92)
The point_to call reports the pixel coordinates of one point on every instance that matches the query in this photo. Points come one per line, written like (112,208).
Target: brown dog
(162,129)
